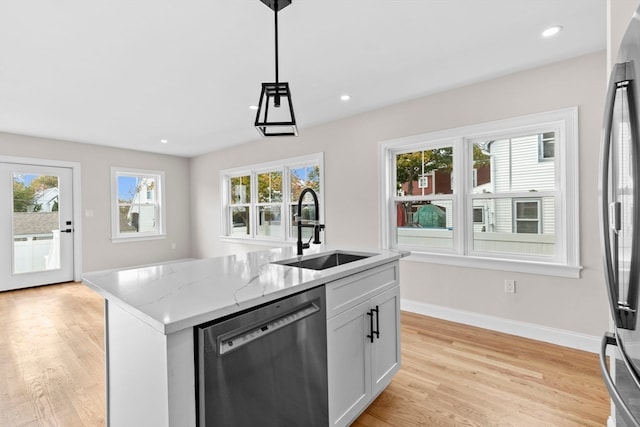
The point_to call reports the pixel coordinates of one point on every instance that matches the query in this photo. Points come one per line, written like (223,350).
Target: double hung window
(499,195)
(137,204)
(260,202)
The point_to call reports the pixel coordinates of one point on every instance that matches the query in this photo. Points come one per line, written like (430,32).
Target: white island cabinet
(363,339)
(151,312)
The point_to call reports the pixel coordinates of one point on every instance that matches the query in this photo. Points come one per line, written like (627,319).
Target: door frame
(76,206)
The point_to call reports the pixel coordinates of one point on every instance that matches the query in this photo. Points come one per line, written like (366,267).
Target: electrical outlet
(510,286)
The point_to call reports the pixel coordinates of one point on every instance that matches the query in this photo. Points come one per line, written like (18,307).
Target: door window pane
(36,223)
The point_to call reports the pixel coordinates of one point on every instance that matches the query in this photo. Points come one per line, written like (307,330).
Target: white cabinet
(363,339)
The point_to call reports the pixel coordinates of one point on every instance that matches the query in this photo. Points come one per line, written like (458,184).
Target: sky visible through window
(126,187)
(25,179)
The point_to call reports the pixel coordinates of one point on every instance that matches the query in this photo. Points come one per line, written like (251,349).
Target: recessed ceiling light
(164,141)
(345,97)
(552,31)
(253,107)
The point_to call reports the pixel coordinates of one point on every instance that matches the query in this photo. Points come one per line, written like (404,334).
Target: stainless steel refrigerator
(620,227)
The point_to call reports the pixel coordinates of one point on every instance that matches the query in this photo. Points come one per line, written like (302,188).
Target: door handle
(67,230)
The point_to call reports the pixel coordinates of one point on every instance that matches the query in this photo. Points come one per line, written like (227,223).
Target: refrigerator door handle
(607,340)
(614,216)
(623,307)
(605,221)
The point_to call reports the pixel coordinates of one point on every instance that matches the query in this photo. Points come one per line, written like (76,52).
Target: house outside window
(488,200)
(137,204)
(261,201)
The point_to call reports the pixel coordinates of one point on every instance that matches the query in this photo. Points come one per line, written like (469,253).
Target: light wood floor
(52,371)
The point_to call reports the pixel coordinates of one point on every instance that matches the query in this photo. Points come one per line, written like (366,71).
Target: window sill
(138,238)
(547,269)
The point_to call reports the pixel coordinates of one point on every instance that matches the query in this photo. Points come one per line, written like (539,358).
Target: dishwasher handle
(240,337)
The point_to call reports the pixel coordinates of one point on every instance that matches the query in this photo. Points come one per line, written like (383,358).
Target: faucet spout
(317,227)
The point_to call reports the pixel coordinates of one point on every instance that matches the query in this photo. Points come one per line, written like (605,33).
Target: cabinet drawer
(350,291)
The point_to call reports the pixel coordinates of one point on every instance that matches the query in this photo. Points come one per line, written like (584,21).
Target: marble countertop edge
(178,294)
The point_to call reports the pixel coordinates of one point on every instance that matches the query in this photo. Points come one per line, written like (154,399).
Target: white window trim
(254,170)
(567,215)
(116,236)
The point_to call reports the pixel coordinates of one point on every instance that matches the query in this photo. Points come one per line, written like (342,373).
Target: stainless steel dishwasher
(266,366)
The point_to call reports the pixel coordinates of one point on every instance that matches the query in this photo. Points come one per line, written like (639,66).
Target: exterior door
(36,228)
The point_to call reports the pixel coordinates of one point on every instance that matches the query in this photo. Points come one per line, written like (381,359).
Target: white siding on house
(516,167)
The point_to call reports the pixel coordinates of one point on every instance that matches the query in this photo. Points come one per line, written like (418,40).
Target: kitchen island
(151,312)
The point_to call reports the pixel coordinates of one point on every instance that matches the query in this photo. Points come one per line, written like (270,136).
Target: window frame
(285,237)
(159,203)
(566,262)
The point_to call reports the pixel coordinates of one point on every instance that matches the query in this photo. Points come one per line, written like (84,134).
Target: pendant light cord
(276,20)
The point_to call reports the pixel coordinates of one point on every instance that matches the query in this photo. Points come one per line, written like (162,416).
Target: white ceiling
(128,73)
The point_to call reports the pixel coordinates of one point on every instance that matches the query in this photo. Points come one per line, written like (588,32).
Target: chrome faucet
(315,224)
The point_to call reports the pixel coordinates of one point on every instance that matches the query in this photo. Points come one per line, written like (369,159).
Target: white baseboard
(527,330)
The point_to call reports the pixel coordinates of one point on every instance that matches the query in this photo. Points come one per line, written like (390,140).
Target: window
(478,215)
(261,201)
(482,196)
(526,213)
(547,146)
(137,203)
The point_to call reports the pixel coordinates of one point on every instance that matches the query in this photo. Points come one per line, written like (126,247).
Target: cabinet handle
(370,314)
(375,333)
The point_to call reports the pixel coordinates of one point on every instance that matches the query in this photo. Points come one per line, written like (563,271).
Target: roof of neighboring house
(25,223)
(47,194)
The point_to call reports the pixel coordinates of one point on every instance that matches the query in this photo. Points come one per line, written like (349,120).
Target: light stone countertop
(175,295)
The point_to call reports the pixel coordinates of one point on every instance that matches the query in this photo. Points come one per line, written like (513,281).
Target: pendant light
(275,111)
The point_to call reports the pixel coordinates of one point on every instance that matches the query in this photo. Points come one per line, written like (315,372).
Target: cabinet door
(349,364)
(385,350)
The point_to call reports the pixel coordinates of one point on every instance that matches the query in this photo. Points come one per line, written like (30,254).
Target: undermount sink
(324,260)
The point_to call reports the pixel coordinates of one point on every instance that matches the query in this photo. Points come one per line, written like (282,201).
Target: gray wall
(98,252)
(352,181)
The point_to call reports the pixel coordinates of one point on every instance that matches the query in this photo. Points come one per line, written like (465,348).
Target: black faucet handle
(316,233)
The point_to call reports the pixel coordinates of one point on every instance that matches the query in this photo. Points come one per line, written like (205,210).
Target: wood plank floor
(52,371)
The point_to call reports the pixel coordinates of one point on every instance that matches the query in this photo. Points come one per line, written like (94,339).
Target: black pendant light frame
(275,91)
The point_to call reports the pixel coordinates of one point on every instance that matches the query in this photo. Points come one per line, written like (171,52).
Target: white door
(36,225)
